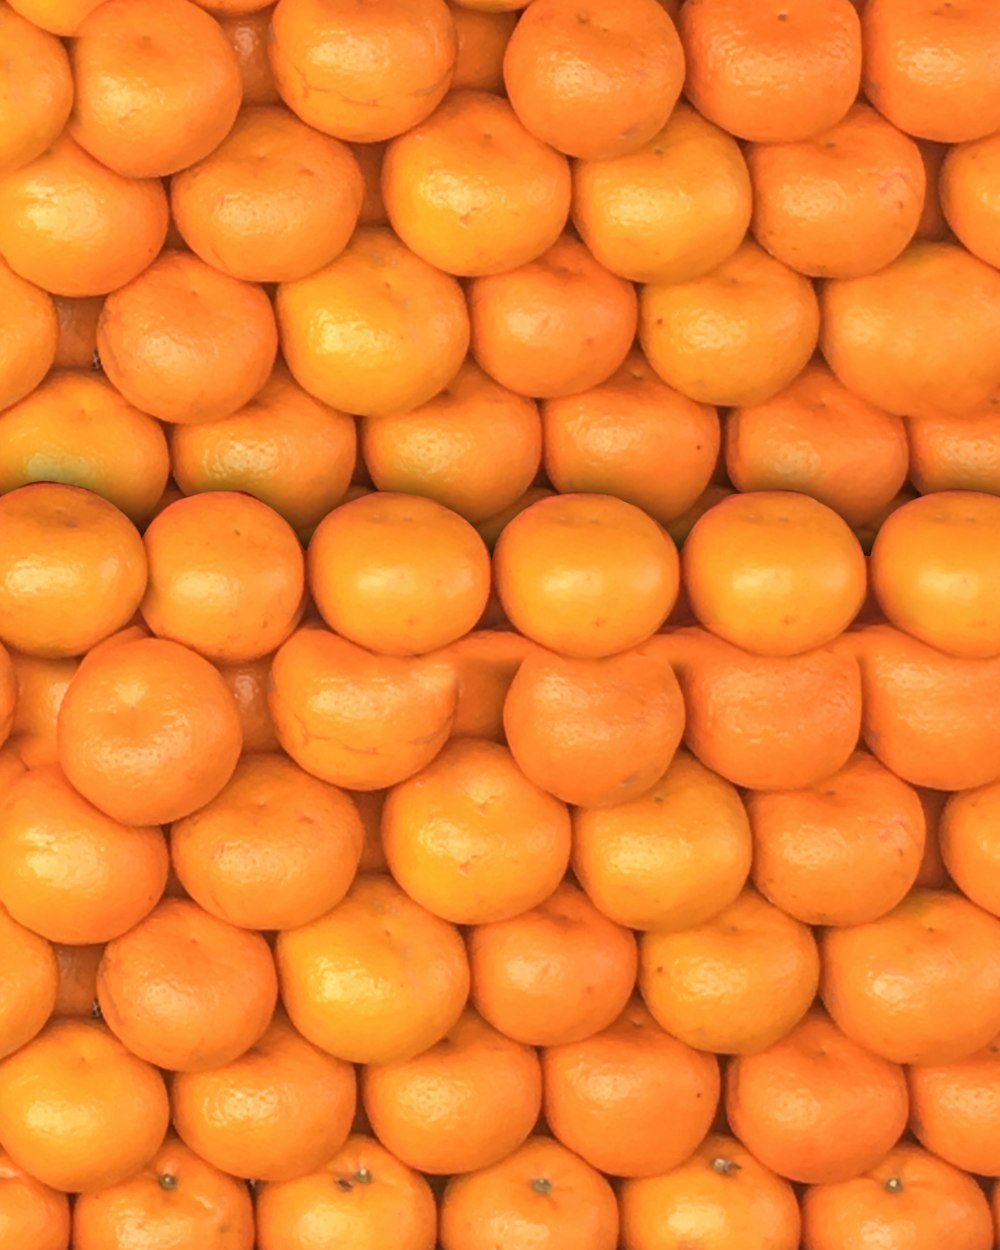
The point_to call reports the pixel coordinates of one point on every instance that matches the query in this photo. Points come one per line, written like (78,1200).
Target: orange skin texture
(558,325)
(706,985)
(954,1110)
(541,1192)
(796,72)
(12,766)
(363,73)
(955,453)
(278,1111)
(31,1214)
(77,345)
(29,985)
(485,662)
(184,1014)
(939,1002)
(76,993)
(78,1111)
(321,693)
(482,41)
(186,343)
(969,201)
(721,1191)
(670,859)
(9,693)
(557,973)
(38,90)
(247,34)
(970,850)
(158,86)
(275,849)
(910,1199)
(374,1201)
(491,527)
(472,191)
(61,17)
(88,570)
(247,682)
(30,336)
(592,81)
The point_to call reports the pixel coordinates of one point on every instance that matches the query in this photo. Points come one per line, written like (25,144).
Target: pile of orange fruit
(499,625)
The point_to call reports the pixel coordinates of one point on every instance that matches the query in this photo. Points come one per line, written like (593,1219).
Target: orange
(31,1214)
(734,336)
(916,338)
(671,210)
(247,683)
(77,990)
(37,94)
(920,984)
(841,203)
(376,980)
(776,72)
(472,838)
(77,345)
(556,973)
(278,1111)
(399,574)
(41,687)
(75,428)
(369,157)
(734,984)
(248,34)
(185,990)
(363,72)
(148,731)
(485,662)
(968,187)
(363,1197)
(77,1110)
(670,859)
(69,872)
(614,438)
(596,733)
(61,17)
(586,575)
(273,202)
(815,1106)
(970,822)
(929,717)
(158,86)
(931,68)
(722,1195)
(75,228)
(932,870)
(482,40)
(818,438)
(87,569)
(12,766)
(472,191)
(842,852)
(557,325)
(955,453)
(774,572)
(370,804)
(491,527)
(475,447)
(932,224)
(28,337)
(541,1193)
(954,1111)
(631,1100)
(176,1199)
(357,719)
(284,447)
(185,342)
(466,1103)
(29,984)
(909,1199)
(594,80)
(9,693)
(375,332)
(936,571)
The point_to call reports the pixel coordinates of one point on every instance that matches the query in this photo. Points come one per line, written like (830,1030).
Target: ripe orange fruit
(158,86)
(491,527)
(669,859)
(722,1194)
(968,842)
(88,569)
(77,1110)
(482,40)
(484,662)
(28,338)
(627,74)
(77,345)
(362,1196)
(247,683)
(248,34)
(369,157)
(77,991)
(278,1111)
(967,185)
(916,337)
(38,90)
(399,574)
(466,1103)
(148,731)
(402,975)
(940,1003)
(955,453)
(776,72)
(31,1214)
(910,1196)
(472,191)
(631,1100)
(12,766)
(274,849)
(185,990)
(734,336)
(954,1113)
(541,1192)
(185,342)
(586,575)
(733,984)
(402,327)
(596,733)
(29,983)
(41,685)
(818,438)
(366,72)
(61,17)
(9,693)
